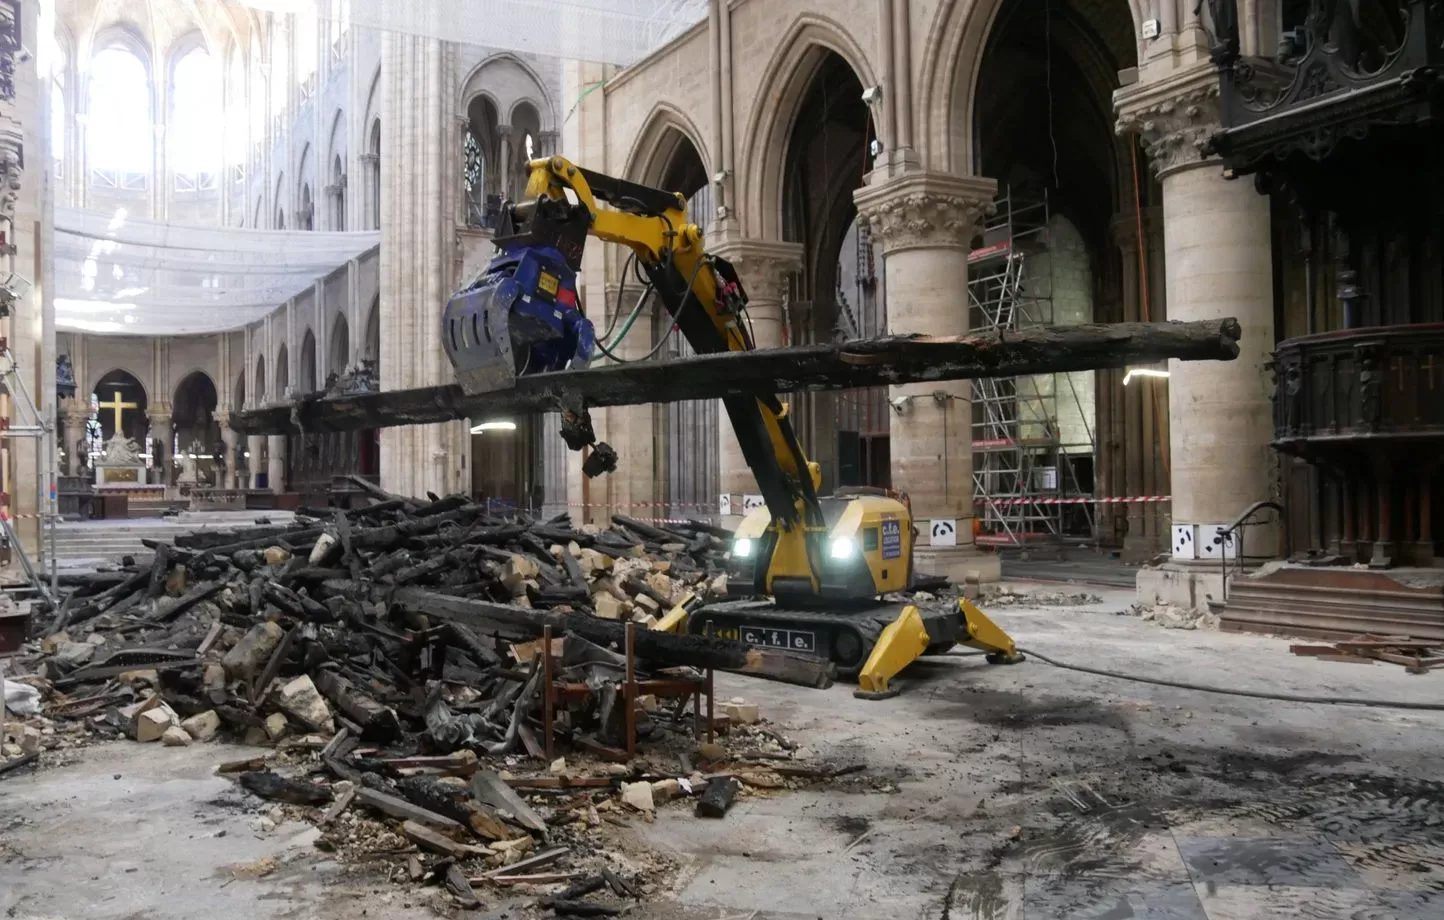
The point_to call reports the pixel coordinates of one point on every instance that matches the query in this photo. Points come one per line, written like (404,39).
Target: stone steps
(108,541)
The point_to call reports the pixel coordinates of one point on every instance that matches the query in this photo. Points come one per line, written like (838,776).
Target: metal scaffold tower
(1023,480)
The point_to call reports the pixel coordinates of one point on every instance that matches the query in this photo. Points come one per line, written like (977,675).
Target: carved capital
(12,156)
(926,210)
(1173,118)
(764,266)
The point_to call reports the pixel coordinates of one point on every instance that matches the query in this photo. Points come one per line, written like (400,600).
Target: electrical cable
(673,328)
(1228,691)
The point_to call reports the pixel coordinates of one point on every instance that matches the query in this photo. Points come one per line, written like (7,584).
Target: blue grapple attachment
(520,316)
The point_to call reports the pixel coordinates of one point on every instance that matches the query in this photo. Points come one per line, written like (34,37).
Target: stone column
(253,460)
(77,414)
(420,171)
(503,134)
(925,223)
(1143,415)
(1217,252)
(230,438)
(158,414)
(765,268)
(276,462)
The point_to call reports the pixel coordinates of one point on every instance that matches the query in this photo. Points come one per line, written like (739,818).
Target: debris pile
(1171,617)
(1002,594)
(1417,657)
(415,663)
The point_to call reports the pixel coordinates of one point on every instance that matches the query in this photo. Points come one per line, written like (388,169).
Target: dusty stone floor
(1015,792)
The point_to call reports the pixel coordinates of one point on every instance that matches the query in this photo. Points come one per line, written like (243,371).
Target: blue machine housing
(519,318)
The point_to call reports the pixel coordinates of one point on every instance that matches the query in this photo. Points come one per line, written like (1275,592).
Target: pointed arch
(952,59)
(763,153)
(283,372)
(473,85)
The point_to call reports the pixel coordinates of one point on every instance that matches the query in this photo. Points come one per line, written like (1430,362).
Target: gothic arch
(338,352)
(655,151)
(283,372)
(952,59)
(656,143)
(472,85)
(260,388)
(123,35)
(763,152)
(308,381)
(94,379)
(194,40)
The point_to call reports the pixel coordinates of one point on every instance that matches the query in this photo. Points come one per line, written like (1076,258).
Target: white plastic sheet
(117,274)
(22,699)
(603,31)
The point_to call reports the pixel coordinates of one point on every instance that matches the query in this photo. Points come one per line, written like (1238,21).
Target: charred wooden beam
(869,362)
(693,651)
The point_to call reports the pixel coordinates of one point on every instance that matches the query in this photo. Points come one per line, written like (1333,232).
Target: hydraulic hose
(1229,691)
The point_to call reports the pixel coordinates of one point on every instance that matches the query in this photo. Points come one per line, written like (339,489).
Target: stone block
(175,736)
(639,796)
(300,700)
(151,725)
(203,726)
(742,713)
(275,726)
(665,790)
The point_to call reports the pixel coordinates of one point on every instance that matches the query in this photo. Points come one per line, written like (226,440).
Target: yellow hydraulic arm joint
(902,642)
(985,635)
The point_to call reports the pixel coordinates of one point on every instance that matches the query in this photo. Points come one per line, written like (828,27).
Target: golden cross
(119,407)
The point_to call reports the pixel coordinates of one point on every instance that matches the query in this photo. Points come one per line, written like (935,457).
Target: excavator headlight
(842,548)
(742,549)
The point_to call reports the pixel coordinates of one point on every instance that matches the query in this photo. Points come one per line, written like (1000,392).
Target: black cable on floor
(1254,694)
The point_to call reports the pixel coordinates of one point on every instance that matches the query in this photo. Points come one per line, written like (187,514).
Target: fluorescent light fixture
(1142,372)
(493,426)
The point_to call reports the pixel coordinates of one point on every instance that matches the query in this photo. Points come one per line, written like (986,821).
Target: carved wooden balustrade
(1366,407)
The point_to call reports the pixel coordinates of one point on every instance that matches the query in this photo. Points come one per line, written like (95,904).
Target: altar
(120,465)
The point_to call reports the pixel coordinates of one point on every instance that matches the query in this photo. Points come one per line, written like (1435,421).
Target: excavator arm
(521,316)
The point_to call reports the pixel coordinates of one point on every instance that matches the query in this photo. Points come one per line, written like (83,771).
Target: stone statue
(219,472)
(82,455)
(121,451)
(64,377)
(188,461)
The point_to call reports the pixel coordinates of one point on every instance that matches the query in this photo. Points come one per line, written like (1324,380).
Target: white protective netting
(602,31)
(118,274)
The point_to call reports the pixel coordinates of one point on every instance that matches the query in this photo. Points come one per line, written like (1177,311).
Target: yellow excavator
(808,572)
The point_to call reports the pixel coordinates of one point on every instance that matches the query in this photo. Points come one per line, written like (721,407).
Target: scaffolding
(1024,477)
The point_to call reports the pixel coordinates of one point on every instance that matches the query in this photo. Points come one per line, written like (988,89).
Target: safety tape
(711,506)
(1120,500)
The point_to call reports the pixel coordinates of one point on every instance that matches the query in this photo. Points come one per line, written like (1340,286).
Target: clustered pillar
(765,269)
(1217,254)
(925,223)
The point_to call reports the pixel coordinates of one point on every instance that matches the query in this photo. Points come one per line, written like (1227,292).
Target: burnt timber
(863,363)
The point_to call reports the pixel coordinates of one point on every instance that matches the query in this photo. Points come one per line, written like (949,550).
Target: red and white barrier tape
(1119,500)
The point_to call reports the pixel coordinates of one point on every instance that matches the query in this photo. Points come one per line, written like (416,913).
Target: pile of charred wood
(405,616)
(401,645)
